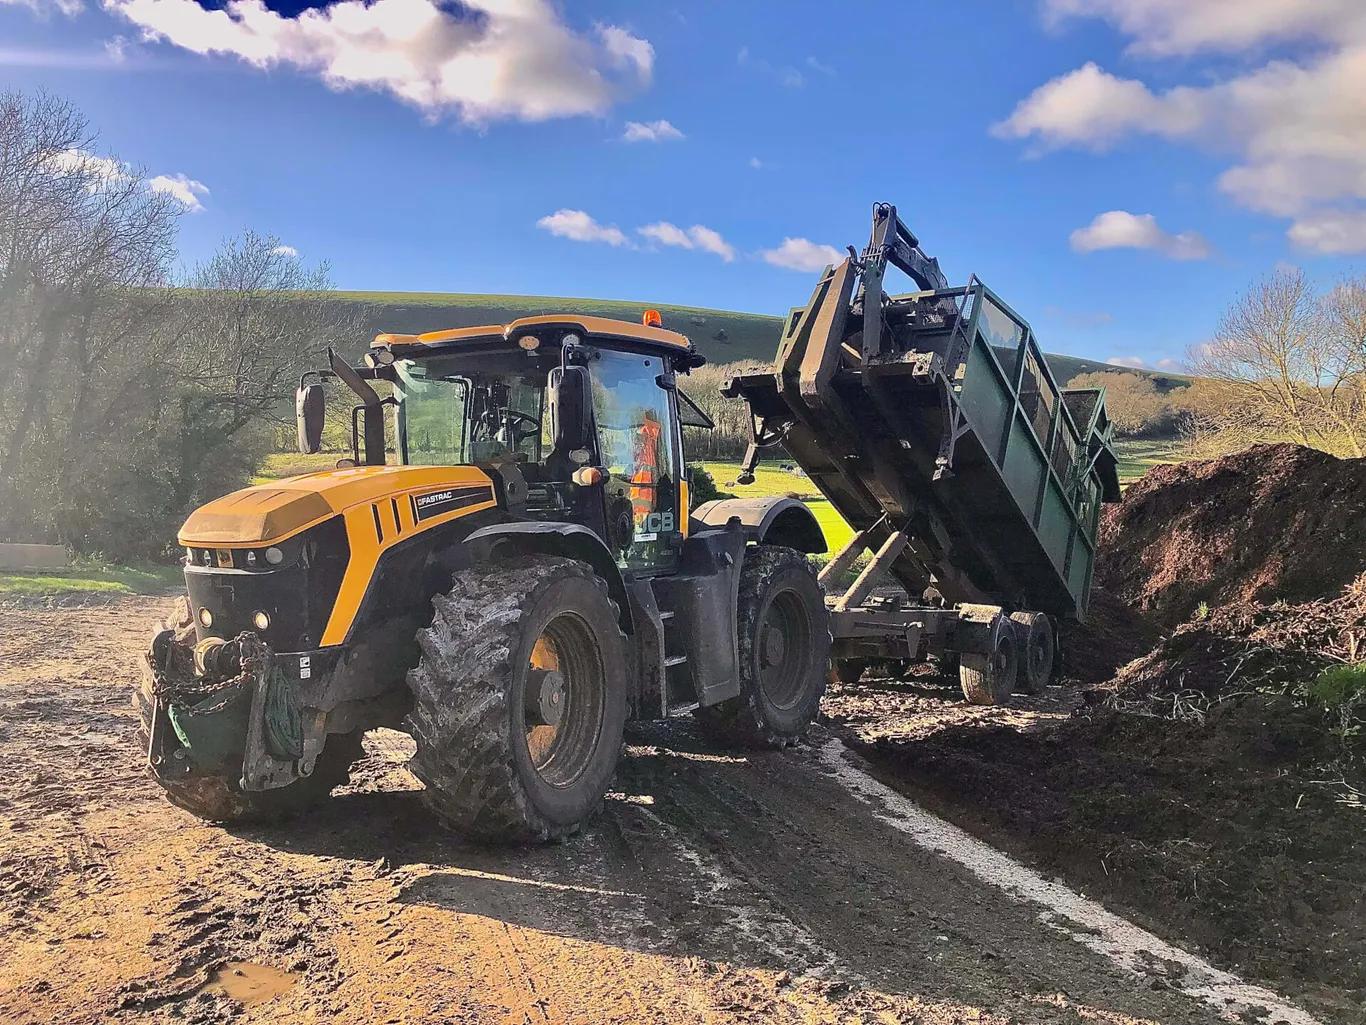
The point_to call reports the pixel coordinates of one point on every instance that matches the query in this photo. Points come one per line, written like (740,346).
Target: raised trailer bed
(932,422)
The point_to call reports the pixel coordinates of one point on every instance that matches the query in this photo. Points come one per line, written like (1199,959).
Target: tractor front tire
(784,640)
(519,700)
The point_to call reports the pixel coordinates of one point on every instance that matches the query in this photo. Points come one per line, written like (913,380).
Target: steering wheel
(522,425)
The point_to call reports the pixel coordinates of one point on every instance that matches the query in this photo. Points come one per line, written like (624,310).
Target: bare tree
(77,231)
(128,401)
(1132,400)
(1293,361)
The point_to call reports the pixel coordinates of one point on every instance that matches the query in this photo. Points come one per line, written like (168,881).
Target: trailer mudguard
(769,521)
(554,538)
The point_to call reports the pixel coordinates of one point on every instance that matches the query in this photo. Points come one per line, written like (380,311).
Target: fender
(771,521)
(566,539)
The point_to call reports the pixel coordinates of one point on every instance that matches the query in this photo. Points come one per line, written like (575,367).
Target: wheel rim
(783,648)
(565,678)
(1039,656)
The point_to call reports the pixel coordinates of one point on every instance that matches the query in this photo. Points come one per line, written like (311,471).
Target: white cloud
(784,74)
(43,7)
(1119,229)
(283,250)
(78,161)
(755,163)
(699,236)
(182,188)
(1178,27)
(802,254)
(666,234)
(1295,130)
(1172,366)
(100,171)
(711,241)
(1331,231)
(579,226)
(481,59)
(650,131)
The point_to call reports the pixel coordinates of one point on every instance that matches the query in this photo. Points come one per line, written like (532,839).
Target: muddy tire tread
(740,721)
(459,718)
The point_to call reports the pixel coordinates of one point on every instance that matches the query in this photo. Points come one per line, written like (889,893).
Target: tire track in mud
(906,920)
(1131,948)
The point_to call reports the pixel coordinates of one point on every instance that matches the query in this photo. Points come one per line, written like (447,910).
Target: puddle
(249,984)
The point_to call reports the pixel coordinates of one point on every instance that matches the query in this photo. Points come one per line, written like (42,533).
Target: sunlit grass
(86,577)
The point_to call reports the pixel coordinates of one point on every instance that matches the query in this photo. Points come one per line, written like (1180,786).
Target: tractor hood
(268,513)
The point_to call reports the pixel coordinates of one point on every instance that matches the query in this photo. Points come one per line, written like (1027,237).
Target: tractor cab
(579,418)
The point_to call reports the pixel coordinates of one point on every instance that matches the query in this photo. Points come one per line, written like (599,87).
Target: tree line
(136,388)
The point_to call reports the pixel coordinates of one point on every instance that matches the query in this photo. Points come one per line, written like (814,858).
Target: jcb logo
(658,523)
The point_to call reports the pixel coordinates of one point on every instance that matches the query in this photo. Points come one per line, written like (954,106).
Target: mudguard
(771,521)
(566,539)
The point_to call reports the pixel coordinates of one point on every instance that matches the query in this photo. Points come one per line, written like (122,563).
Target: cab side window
(635,435)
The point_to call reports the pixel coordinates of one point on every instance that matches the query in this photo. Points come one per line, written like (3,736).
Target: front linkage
(205,700)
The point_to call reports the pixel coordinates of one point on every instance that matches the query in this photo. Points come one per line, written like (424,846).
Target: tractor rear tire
(784,641)
(519,700)
(221,798)
(989,678)
(1038,648)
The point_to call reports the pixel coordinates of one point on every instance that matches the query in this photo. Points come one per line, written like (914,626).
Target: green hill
(723,336)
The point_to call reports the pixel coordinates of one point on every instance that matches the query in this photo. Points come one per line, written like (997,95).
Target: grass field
(723,336)
(90,578)
(1135,459)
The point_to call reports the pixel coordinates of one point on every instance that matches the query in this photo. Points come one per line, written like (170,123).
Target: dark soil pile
(1236,648)
(1271,523)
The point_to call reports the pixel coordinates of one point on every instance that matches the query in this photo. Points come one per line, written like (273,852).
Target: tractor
(505,566)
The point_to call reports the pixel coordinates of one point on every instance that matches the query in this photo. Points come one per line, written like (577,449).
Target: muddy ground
(715,887)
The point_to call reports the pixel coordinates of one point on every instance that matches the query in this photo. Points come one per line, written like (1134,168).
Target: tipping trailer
(933,424)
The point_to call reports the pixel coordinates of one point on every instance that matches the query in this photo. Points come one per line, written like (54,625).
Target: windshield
(471,408)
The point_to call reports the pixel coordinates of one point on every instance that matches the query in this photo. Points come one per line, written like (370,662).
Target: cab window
(635,436)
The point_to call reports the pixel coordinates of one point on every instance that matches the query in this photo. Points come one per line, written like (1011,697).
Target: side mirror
(310,408)
(571,405)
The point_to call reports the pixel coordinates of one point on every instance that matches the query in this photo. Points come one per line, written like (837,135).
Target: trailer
(933,424)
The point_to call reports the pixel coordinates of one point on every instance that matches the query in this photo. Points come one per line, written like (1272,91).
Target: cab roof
(601,327)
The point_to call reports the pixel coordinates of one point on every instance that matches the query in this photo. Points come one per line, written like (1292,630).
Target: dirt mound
(1247,646)
(1271,523)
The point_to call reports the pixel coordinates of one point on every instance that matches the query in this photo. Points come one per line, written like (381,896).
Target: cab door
(639,449)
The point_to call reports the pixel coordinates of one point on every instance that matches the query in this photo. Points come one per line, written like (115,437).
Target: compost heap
(1231,575)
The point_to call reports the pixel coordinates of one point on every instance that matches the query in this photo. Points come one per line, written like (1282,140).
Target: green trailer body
(932,423)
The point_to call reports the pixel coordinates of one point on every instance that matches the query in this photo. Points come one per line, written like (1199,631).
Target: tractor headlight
(205,618)
(261,621)
(274,556)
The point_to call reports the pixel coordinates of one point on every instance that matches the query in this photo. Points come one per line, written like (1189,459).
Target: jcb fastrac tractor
(521,579)
(524,575)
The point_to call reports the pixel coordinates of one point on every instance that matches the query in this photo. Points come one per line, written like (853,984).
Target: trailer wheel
(989,679)
(519,700)
(784,635)
(1037,649)
(221,798)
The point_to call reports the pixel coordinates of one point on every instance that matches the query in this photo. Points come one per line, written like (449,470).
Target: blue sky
(1116,169)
